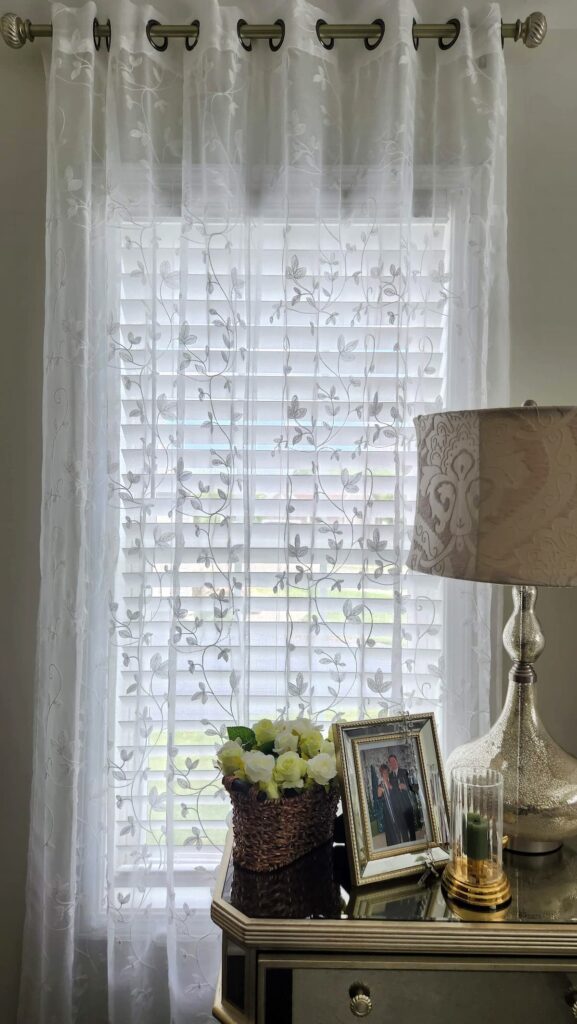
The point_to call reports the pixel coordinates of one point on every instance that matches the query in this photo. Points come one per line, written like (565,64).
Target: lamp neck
(522,636)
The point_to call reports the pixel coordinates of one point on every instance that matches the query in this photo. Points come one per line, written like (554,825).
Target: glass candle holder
(474,877)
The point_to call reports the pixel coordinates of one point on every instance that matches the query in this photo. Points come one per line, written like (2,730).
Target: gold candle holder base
(474,913)
(475,890)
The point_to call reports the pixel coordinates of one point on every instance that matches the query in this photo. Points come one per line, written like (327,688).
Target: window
(265,485)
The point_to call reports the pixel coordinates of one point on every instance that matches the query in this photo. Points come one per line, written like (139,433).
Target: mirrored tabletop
(317,887)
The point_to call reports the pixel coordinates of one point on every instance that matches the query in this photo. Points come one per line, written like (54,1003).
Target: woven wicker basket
(307,888)
(270,834)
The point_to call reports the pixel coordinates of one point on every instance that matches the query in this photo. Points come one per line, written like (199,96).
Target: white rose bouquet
(280,758)
(262,768)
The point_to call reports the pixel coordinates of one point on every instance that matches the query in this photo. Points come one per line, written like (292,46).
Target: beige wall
(543,272)
(543,275)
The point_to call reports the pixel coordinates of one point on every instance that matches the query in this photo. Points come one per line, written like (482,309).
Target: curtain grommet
(372,46)
(275,44)
(160,46)
(97,38)
(245,43)
(447,46)
(191,41)
(327,43)
(415,38)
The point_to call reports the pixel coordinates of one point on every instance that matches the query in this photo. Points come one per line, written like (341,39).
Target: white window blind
(265,478)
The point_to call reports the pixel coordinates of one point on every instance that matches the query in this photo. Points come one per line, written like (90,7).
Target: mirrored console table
(299,946)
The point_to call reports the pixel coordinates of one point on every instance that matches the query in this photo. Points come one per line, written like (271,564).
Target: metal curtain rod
(17,31)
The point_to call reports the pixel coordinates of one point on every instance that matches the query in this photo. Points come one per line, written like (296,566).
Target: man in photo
(385,815)
(400,798)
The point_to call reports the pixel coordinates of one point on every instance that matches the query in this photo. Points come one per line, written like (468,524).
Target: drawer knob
(361,1003)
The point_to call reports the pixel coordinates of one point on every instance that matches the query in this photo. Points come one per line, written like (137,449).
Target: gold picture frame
(394,796)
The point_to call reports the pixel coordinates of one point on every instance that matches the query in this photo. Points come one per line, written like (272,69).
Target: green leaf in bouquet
(268,747)
(242,733)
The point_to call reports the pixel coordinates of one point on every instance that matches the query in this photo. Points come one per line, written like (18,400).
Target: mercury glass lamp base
(539,777)
(532,847)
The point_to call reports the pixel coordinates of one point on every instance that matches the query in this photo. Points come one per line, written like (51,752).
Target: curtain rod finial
(534,29)
(13,30)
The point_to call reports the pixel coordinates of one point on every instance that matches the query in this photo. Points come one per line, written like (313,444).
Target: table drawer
(342,990)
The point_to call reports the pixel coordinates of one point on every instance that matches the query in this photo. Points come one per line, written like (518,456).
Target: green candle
(476,837)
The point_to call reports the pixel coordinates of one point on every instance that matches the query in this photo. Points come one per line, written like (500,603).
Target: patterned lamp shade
(497,496)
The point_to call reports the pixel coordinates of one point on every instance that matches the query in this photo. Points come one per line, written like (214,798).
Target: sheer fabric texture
(261,266)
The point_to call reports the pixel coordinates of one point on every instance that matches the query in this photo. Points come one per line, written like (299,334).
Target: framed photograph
(394,797)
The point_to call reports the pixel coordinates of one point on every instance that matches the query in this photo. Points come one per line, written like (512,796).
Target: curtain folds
(260,266)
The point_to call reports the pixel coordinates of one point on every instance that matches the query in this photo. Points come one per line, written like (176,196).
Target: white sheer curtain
(261,266)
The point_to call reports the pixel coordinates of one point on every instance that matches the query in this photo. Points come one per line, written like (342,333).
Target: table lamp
(497,503)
